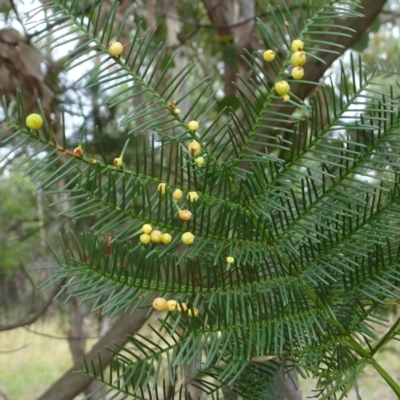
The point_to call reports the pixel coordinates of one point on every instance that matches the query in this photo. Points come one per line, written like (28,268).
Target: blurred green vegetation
(20,232)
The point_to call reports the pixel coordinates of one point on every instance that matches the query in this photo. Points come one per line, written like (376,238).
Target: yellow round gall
(194,148)
(160,304)
(199,161)
(145,238)
(188,238)
(282,88)
(297,72)
(177,195)
(147,228)
(34,121)
(269,55)
(298,58)
(166,238)
(297,45)
(115,48)
(171,305)
(156,236)
(193,126)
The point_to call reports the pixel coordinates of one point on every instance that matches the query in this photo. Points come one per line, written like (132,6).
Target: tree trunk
(71,384)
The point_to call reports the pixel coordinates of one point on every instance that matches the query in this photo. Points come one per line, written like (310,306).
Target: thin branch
(10,159)
(14,8)
(59,337)
(388,336)
(16,349)
(48,27)
(30,280)
(33,316)
(3,395)
(225,26)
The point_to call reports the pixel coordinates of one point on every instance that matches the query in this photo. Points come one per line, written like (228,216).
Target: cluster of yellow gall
(194,148)
(161,304)
(155,236)
(298,59)
(178,194)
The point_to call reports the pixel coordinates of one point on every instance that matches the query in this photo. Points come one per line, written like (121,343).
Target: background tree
(228,40)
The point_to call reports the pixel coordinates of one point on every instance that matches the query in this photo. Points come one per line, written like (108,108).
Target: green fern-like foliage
(311,217)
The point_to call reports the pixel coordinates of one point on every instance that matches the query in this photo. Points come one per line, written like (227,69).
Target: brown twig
(33,316)
(16,349)
(3,395)
(59,337)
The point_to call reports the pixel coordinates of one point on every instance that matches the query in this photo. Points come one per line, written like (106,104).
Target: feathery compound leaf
(294,208)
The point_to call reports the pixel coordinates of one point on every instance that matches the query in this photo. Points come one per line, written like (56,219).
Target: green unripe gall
(200,161)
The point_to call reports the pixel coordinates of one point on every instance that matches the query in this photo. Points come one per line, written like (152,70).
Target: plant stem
(387,337)
(389,380)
